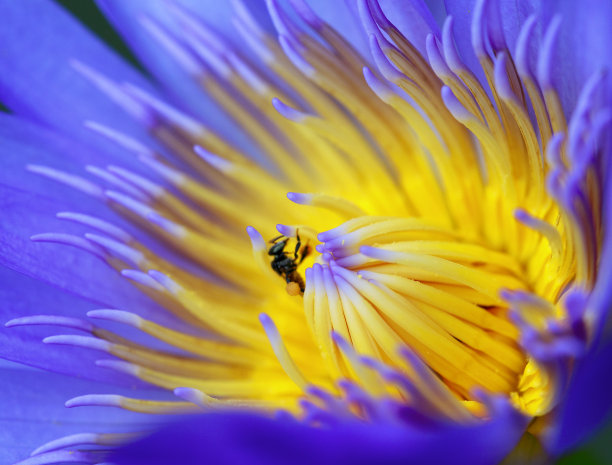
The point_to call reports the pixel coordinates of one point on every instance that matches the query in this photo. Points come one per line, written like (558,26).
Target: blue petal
(67,268)
(581,49)
(52,278)
(23,142)
(71,270)
(343,17)
(23,296)
(217,15)
(29,203)
(413,18)
(587,404)
(438,10)
(32,411)
(241,438)
(41,84)
(178,83)
(512,13)
(462,12)
(584,42)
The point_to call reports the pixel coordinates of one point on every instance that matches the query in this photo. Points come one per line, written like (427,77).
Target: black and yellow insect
(285,263)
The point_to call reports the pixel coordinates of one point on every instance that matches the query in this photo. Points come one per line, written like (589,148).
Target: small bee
(286,266)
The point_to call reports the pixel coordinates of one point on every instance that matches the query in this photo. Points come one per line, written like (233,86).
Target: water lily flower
(371,231)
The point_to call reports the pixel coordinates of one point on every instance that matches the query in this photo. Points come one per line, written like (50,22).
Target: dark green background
(598,451)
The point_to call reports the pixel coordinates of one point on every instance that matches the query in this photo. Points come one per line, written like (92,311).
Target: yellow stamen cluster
(420,217)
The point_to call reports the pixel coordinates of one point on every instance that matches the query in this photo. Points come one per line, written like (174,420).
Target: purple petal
(581,48)
(414,19)
(462,12)
(23,296)
(438,10)
(30,202)
(343,16)
(583,44)
(127,18)
(41,84)
(67,268)
(23,142)
(512,14)
(32,411)
(42,278)
(241,438)
(587,405)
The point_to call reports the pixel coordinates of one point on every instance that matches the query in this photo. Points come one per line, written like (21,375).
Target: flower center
(460,262)
(433,227)
(387,282)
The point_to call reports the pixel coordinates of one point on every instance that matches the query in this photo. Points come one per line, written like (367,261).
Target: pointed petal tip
(13,322)
(265,319)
